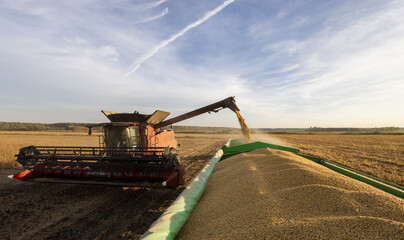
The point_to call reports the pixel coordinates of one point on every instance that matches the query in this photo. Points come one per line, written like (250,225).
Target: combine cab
(136,150)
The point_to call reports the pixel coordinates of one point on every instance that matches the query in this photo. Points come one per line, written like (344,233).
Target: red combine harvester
(137,149)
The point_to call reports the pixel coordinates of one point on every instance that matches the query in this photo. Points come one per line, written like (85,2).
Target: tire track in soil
(29,214)
(81,219)
(66,211)
(198,158)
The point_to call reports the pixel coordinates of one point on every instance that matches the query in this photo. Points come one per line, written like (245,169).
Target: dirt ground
(68,211)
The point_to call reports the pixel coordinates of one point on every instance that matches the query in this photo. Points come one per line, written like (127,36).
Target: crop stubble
(378,155)
(12,141)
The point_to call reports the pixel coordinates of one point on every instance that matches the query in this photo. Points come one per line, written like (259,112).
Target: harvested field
(378,155)
(67,211)
(270,194)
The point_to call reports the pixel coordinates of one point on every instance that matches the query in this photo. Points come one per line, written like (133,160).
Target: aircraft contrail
(164,43)
(163,13)
(155,4)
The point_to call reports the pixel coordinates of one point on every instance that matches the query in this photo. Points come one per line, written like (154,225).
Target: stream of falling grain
(244,128)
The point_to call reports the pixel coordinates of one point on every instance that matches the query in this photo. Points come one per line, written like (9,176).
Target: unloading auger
(137,149)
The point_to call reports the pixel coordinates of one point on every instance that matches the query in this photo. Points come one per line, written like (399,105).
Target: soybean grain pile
(270,194)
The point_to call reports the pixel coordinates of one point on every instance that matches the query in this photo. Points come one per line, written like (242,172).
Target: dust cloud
(265,137)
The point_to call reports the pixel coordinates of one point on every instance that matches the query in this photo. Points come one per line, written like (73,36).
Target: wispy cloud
(151,53)
(344,66)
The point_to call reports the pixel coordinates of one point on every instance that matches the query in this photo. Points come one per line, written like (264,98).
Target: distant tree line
(372,130)
(18,126)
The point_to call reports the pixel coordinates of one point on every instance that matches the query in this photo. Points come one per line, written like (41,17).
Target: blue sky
(289,63)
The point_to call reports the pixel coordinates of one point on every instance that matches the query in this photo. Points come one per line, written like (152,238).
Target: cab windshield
(121,136)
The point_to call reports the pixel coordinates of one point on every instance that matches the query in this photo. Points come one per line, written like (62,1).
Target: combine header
(137,149)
